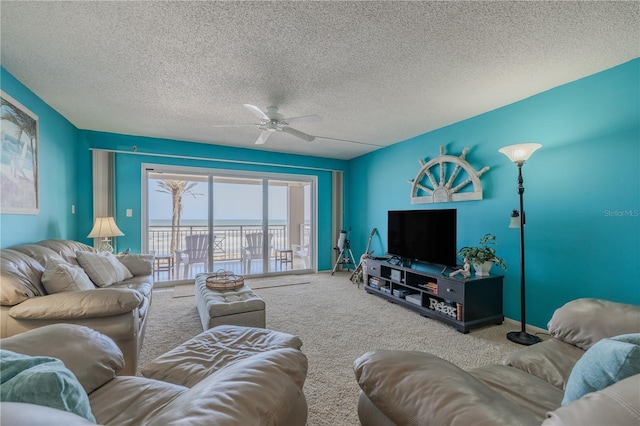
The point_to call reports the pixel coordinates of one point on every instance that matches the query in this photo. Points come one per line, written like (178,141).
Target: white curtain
(104,204)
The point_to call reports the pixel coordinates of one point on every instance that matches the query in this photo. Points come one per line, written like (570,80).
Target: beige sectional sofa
(33,294)
(226,376)
(530,388)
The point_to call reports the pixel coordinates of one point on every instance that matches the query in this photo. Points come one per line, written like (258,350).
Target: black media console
(462,303)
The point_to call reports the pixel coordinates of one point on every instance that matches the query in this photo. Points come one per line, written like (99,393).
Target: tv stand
(461,303)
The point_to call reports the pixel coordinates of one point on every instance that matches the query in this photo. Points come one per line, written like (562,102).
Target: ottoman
(214,349)
(233,307)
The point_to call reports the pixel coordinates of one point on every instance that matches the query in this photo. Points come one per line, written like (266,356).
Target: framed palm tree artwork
(18,158)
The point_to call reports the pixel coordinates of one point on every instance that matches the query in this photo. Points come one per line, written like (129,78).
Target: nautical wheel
(449,187)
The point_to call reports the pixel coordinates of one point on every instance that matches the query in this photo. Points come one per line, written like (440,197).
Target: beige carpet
(187,290)
(337,322)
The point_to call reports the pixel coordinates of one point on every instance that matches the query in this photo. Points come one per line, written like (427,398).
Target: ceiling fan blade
(298,134)
(257,111)
(304,119)
(263,137)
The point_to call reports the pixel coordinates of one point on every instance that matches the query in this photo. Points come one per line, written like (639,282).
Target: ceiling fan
(272,121)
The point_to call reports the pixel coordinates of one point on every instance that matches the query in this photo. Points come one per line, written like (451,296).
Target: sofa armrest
(420,388)
(92,357)
(263,389)
(618,404)
(138,264)
(584,322)
(100,302)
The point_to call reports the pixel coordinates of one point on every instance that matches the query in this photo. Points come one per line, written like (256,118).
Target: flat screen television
(423,235)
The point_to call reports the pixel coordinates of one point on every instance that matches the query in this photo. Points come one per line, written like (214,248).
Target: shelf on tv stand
(461,303)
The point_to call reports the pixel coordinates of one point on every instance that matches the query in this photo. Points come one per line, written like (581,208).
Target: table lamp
(105,228)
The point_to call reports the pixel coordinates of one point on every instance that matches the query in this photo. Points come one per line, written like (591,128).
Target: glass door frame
(210,174)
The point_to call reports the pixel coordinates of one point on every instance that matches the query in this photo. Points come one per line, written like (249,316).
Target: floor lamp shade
(518,154)
(105,228)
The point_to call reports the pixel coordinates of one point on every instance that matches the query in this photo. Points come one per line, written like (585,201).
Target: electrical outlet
(129,212)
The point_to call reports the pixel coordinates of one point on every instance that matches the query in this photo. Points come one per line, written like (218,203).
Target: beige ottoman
(213,349)
(230,307)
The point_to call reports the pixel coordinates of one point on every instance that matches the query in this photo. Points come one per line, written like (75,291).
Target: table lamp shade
(105,227)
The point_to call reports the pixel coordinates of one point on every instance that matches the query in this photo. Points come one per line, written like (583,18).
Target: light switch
(129,212)
(73,209)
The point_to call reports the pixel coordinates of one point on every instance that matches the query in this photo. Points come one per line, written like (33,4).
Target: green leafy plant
(483,253)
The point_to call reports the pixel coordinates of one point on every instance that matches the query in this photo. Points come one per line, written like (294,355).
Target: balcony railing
(227,243)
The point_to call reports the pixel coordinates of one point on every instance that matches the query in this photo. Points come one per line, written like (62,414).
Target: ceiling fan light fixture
(272,121)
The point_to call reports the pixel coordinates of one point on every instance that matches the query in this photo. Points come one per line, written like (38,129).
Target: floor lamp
(519,154)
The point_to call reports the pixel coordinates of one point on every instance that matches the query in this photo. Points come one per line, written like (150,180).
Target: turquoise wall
(57,155)
(582,190)
(168,152)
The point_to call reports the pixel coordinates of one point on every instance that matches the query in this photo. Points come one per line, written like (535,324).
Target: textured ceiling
(377,72)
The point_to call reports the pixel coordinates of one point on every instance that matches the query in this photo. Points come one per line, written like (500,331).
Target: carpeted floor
(187,290)
(337,322)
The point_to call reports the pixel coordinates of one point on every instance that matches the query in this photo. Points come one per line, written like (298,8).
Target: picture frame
(19,182)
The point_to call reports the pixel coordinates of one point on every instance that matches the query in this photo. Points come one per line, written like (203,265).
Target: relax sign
(442,307)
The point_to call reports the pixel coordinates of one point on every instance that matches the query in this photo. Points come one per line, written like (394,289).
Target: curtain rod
(222,160)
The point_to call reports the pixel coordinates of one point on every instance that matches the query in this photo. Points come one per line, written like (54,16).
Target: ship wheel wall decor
(425,188)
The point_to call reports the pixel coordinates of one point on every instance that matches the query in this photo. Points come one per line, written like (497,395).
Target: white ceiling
(377,72)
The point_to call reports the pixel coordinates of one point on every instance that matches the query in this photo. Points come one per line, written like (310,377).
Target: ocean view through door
(245,223)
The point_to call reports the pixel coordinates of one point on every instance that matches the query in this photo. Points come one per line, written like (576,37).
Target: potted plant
(483,256)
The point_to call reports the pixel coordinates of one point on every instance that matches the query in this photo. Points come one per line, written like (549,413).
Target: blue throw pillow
(605,363)
(42,380)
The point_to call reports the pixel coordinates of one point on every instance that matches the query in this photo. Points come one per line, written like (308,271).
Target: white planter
(483,270)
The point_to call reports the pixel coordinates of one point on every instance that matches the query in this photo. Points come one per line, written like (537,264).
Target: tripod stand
(345,255)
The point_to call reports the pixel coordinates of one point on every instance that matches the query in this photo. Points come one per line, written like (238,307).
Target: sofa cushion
(67,249)
(103,268)
(583,322)
(60,276)
(96,303)
(606,363)
(38,252)
(41,380)
(551,361)
(20,276)
(138,264)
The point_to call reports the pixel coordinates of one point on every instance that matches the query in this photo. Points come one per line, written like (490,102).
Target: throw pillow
(60,276)
(103,268)
(42,380)
(605,363)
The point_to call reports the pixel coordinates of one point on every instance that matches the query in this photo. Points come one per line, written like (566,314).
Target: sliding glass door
(245,223)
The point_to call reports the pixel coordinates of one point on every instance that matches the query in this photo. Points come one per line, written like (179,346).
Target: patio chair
(254,250)
(196,251)
(301,251)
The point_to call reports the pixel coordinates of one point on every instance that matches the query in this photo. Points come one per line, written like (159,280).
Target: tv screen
(423,235)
